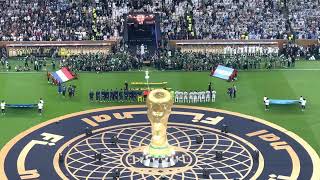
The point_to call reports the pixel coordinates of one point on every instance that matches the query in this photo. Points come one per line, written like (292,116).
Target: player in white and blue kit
(213,98)
(195,97)
(203,96)
(191,97)
(185,97)
(208,98)
(176,99)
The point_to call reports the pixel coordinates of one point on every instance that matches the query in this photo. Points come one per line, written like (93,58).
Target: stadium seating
(96,20)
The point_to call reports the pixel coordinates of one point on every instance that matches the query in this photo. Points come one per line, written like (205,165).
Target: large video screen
(141,27)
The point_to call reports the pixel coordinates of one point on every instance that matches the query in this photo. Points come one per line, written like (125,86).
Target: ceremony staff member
(3,107)
(264,99)
(73,90)
(70,91)
(230,92)
(59,88)
(303,104)
(41,101)
(301,99)
(126,86)
(267,102)
(234,91)
(64,90)
(210,87)
(40,108)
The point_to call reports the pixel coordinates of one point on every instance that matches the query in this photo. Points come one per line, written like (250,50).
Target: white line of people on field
(194,96)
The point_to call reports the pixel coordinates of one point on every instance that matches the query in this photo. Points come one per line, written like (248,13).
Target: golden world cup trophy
(159,154)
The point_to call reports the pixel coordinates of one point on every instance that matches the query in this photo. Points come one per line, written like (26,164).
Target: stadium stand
(66,20)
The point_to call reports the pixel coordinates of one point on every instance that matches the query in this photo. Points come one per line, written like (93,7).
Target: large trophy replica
(159,154)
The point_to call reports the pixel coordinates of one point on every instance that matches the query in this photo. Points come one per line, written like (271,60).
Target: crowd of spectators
(102,62)
(304,16)
(199,61)
(63,20)
(229,19)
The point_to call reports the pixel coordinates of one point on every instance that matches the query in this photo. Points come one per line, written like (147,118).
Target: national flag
(63,75)
(223,72)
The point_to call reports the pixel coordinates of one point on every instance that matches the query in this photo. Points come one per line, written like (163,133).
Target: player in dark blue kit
(130,94)
(111,95)
(126,95)
(98,95)
(107,97)
(91,95)
(116,95)
(103,93)
(121,95)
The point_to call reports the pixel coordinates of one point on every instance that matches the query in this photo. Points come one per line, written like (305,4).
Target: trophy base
(159,157)
(163,162)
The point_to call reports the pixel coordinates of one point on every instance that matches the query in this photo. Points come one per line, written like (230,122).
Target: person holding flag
(3,107)
(40,108)
(303,104)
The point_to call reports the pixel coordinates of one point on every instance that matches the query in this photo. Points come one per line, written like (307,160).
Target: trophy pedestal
(163,162)
(159,157)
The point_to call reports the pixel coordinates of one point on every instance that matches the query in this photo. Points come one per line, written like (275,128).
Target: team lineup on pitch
(251,148)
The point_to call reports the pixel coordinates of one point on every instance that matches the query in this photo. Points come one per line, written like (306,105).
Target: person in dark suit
(126,86)
(234,91)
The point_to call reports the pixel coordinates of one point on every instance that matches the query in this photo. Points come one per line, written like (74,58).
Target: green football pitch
(252,86)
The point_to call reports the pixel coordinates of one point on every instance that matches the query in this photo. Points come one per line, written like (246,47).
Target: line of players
(115,95)
(194,96)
